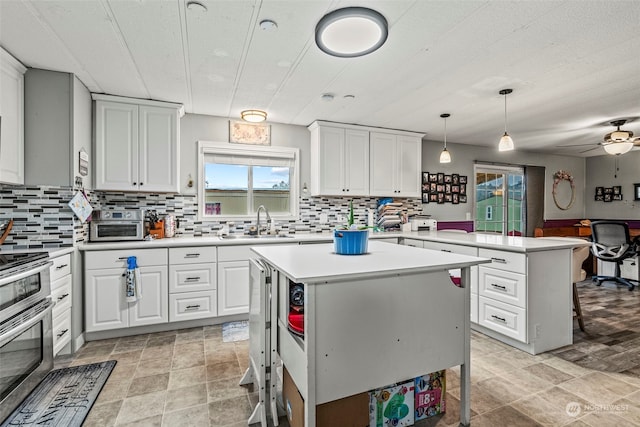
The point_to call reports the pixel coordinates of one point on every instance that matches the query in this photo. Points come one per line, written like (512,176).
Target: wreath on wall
(558,177)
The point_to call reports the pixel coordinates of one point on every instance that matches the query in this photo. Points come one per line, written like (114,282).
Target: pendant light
(445,156)
(506,143)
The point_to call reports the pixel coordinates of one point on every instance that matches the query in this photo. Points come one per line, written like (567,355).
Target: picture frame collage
(441,188)
(608,194)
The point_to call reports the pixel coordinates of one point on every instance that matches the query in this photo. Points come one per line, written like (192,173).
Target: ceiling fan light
(253,116)
(617,148)
(506,143)
(351,31)
(620,135)
(445,156)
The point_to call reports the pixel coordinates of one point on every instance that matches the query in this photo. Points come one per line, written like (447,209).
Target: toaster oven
(115,225)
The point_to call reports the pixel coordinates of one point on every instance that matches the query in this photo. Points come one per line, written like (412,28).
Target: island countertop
(320,264)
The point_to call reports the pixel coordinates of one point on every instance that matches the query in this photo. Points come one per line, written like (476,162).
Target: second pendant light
(506,143)
(445,156)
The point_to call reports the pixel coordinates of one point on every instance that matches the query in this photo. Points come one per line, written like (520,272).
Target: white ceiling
(574,66)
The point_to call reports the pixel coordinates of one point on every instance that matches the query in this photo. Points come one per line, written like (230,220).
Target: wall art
(444,188)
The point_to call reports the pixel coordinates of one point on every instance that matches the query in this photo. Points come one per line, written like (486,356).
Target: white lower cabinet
(105,302)
(61,288)
(192,283)
(505,318)
(233,288)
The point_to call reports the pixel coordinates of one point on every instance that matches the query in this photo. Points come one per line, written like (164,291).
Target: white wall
(603,173)
(197,127)
(464,156)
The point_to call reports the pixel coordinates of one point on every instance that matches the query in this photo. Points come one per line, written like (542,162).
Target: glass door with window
(500,202)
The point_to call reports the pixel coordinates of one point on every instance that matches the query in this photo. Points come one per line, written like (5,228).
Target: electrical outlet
(341,218)
(323,218)
(538,331)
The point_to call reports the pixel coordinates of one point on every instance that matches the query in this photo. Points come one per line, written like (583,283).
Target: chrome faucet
(266,211)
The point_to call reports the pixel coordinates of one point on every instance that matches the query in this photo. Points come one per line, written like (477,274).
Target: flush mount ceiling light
(445,156)
(253,116)
(351,32)
(506,143)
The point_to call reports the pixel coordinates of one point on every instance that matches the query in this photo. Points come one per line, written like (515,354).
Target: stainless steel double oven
(26,338)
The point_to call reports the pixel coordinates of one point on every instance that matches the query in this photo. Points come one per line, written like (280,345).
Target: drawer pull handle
(61,297)
(502,288)
(124,258)
(445,250)
(500,260)
(64,331)
(192,279)
(502,319)
(61,266)
(192,255)
(192,307)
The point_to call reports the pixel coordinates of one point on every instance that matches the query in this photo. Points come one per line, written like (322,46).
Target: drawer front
(192,277)
(448,247)
(502,260)
(61,331)
(413,242)
(504,318)
(94,260)
(195,255)
(192,305)
(234,253)
(61,295)
(61,267)
(503,286)
(474,308)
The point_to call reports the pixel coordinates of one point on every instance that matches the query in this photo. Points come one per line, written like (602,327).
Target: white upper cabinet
(136,144)
(339,160)
(395,168)
(11,119)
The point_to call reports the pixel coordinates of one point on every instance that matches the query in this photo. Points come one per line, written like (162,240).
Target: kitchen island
(370,320)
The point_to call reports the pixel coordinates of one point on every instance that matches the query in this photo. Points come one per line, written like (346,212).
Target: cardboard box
(430,391)
(292,400)
(392,405)
(352,411)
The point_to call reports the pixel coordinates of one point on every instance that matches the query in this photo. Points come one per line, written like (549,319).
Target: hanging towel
(132,280)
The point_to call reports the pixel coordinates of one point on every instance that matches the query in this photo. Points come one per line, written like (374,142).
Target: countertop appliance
(115,225)
(26,336)
(423,223)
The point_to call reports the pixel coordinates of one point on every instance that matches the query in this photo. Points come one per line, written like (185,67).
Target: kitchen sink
(255,236)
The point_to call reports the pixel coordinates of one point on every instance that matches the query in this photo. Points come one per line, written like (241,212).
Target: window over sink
(234,180)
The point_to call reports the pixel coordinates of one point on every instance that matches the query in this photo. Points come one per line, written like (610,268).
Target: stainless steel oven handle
(26,273)
(8,336)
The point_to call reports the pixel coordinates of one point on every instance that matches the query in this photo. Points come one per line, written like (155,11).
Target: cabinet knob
(142,183)
(135,183)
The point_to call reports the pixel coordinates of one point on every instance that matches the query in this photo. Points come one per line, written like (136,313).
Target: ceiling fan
(614,143)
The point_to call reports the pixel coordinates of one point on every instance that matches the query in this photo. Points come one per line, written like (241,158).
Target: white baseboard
(78,342)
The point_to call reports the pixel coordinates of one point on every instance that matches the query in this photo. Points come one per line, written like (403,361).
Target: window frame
(221,148)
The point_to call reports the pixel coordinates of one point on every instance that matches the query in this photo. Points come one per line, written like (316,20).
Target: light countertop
(490,241)
(319,263)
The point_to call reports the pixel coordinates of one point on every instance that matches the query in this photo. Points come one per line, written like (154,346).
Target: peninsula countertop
(319,263)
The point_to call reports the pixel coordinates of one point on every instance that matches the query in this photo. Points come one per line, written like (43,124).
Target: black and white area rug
(235,331)
(63,398)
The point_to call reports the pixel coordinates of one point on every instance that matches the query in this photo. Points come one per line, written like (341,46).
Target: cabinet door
(330,161)
(408,167)
(153,305)
(158,149)
(105,305)
(382,168)
(12,113)
(233,287)
(116,146)
(356,162)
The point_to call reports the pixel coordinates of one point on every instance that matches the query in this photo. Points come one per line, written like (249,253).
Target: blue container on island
(350,242)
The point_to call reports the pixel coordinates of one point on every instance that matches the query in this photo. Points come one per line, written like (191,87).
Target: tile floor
(189,377)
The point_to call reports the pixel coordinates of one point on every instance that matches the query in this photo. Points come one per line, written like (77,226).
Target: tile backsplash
(43,219)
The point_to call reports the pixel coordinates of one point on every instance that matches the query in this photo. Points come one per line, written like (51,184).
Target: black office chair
(611,243)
